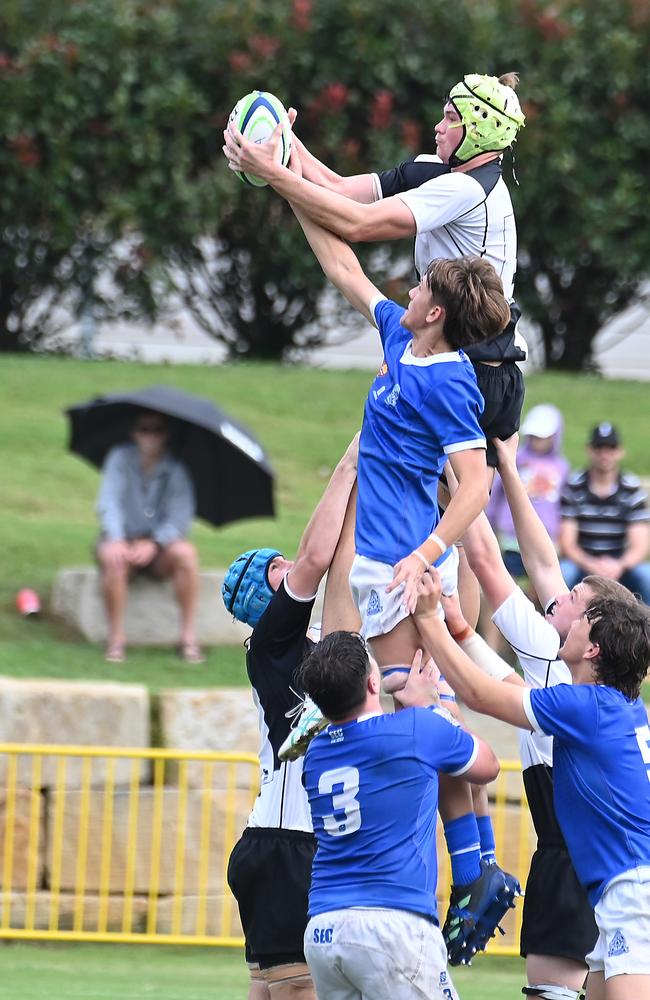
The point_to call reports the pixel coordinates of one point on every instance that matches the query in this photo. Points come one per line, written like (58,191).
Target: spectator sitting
(543,470)
(604,528)
(145,506)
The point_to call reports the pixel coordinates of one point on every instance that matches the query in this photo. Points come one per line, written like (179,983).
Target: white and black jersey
(603,521)
(536,644)
(558,918)
(458,214)
(275,650)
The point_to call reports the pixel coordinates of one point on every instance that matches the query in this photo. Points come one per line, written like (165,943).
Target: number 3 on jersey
(342,783)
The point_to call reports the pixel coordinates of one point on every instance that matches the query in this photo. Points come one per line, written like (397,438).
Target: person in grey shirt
(145,507)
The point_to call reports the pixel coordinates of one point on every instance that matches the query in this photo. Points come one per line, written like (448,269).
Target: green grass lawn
(140,972)
(304,417)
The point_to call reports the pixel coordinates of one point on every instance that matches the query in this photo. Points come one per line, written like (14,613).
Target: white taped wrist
(439,542)
(425,562)
(489,662)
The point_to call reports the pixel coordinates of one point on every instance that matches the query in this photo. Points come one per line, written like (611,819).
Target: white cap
(542,421)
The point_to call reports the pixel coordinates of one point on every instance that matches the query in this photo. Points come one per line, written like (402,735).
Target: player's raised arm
(389,219)
(358,187)
(484,554)
(340,265)
(321,536)
(480,692)
(474,645)
(537,549)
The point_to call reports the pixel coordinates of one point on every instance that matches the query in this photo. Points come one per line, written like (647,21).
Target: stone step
(152,616)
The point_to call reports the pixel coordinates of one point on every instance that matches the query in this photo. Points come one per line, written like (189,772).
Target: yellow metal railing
(107,844)
(132,845)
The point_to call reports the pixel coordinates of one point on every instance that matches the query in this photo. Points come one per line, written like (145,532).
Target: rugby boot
(308,722)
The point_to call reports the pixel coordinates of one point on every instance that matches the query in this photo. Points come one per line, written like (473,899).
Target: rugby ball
(257,115)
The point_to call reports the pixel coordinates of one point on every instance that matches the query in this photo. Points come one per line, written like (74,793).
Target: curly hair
(621,628)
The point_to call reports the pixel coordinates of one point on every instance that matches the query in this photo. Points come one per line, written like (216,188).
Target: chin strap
(512,166)
(550,992)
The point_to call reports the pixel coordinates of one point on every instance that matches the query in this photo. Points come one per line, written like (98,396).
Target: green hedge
(111,114)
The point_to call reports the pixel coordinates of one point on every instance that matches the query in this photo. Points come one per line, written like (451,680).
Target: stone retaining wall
(67,848)
(57,835)
(152,617)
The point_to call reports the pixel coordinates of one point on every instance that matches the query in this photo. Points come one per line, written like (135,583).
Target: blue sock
(463,844)
(486,833)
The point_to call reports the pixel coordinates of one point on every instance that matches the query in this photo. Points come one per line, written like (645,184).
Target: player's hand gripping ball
(257,115)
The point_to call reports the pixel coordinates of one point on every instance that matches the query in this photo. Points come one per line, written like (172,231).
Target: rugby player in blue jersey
(558,927)
(601,767)
(372,785)
(422,410)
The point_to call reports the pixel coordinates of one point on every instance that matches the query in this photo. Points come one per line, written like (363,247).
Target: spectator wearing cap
(543,470)
(604,529)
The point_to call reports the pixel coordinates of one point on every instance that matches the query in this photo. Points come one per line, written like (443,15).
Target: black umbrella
(231,473)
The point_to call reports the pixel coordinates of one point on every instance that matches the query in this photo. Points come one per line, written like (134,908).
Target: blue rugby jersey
(418,412)
(372,786)
(601,777)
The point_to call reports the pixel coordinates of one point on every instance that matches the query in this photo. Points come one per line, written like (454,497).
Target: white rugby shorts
(379,953)
(623,919)
(381,612)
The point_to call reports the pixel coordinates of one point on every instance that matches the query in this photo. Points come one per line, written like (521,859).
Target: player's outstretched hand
(260,159)
(507,450)
(409,572)
(420,690)
(428,595)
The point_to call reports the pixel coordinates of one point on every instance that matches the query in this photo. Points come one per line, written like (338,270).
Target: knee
(183,555)
(112,560)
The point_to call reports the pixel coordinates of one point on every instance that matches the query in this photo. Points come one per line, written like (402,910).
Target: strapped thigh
(256,974)
(292,972)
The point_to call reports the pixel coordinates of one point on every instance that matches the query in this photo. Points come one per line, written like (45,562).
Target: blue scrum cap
(246,590)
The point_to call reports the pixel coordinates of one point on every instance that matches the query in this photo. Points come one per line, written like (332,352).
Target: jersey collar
(408,358)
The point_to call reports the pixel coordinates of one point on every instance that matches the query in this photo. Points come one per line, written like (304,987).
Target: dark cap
(604,435)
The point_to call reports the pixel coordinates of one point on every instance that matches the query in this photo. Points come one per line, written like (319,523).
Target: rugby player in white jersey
(423,407)
(455,203)
(269,870)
